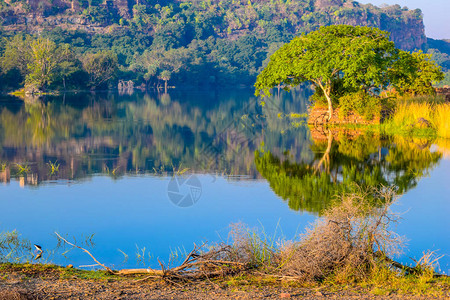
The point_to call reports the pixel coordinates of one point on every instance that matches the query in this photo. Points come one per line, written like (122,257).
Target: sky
(436,14)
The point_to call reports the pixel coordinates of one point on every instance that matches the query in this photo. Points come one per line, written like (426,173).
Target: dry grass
(344,242)
(441,120)
(407,115)
(347,244)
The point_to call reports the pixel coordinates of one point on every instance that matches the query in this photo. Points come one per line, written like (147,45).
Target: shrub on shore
(351,243)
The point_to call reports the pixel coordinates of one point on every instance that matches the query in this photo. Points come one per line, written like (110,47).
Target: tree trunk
(165,86)
(326,91)
(330,107)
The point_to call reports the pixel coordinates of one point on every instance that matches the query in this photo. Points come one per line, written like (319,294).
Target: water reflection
(343,162)
(87,134)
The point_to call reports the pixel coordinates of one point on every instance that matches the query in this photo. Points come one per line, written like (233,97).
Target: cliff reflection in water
(86,134)
(345,162)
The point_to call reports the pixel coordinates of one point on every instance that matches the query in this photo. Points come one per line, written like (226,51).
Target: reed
(54,167)
(23,168)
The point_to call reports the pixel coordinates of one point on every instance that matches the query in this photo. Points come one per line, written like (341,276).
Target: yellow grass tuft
(441,120)
(409,113)
(407,116)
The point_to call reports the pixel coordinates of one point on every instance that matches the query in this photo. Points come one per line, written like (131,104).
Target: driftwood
(407,269)
(73,245)
(217,262)
(195,266)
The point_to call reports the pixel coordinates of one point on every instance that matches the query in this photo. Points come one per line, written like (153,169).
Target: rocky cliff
(231,16)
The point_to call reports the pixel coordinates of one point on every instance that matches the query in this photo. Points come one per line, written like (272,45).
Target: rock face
(445,91)
(324,4)
(406,26)
(319,116)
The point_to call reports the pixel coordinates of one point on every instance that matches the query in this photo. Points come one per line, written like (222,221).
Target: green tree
(165,76)
(69,65)
(101,67)
(357,56)
(414,73)
(17,54)
(45,60)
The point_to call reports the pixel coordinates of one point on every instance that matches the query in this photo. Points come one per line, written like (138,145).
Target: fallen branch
(73,245)
(194,265)
(139,271)
(407,269)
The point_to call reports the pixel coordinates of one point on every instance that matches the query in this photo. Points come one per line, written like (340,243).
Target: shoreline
(22,281)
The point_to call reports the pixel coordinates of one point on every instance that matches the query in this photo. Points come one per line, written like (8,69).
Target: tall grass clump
(253,248)
(408,113)
(428,114)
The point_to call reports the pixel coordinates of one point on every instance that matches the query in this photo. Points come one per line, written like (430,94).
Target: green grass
(20,92)
(49,270)
(70,273)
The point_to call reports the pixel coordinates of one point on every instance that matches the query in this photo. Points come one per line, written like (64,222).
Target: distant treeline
(212,43)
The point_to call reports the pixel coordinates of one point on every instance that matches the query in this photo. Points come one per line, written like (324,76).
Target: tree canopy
(359,57)
(340,60)
(414,73)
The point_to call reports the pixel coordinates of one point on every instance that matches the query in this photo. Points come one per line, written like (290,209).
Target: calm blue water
(117,156)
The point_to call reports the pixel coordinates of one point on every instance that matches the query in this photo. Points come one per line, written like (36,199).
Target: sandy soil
(17,284)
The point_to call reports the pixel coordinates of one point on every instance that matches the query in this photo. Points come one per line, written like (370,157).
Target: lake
(144,176)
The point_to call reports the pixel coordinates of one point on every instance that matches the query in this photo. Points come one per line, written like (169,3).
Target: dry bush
(345,242)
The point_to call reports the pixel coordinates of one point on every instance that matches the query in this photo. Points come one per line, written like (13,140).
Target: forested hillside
(180,42)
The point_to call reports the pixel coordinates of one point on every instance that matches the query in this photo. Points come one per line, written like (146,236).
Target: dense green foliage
(414,74)
(440,53)
(354,58)
(42,64)
(349,66)
(199,42)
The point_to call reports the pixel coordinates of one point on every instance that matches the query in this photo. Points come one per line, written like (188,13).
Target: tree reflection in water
(343,163)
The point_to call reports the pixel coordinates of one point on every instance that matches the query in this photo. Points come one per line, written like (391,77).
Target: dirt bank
(42,282)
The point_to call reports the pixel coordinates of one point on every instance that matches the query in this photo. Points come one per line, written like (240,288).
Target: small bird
(38,252)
